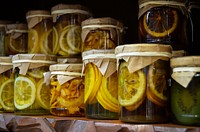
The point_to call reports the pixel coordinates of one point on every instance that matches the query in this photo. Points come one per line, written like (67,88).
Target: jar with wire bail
(31,88)
(6,85)
(16,39)
(143,88)
(101,33)
(164,22)
(101,94)
(40,32)
(185,90)
(67,90)
(67,20)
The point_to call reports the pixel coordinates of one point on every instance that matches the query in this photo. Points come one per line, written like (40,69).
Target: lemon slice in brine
(132,86)
(24,92)
(160,23)
(7,95)
(43,94)
(33,46)
(46,43)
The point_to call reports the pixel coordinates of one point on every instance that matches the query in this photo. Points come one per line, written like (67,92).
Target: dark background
(123,10)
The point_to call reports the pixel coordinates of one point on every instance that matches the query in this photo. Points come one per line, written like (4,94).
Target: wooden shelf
(49,123)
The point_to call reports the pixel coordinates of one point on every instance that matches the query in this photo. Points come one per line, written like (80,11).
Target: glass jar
(100,84)
(40,35)
(143,89)
(6,85)
(16,39)
(163,21)
(3,24)
(31,90)
(101,33)
(67,90)
(193,26)
(67,29)
(185,90)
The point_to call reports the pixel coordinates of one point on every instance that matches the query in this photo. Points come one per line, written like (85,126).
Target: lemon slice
(89,81)
(43,94)
(24,92)
(56,46)
(33,39)
(7,95)
(132,86)
(157,79)
(74,38)
(160,23)
(36,73)
(46,42)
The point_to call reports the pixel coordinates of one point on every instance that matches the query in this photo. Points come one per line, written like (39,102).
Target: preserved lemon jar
(67,28)
(143,89)
(16,39)
(31,89)
(101,33)
(185,90)
(6,85)
(3,24)
(163,21)
(67,90)
(101,94)
(40,35)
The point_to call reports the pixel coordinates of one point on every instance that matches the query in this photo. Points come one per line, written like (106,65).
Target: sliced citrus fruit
(36,73)
(46,44)
(33,39)
(160,23)
(132,86)
(92,82)
(63,40)
(43,94)
(7,95)
(107,94)
(106,105)
(56,46)
(157,82)
(74,38)
(24,92)
(89,81)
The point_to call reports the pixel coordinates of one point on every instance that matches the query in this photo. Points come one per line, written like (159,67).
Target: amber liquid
(177,38)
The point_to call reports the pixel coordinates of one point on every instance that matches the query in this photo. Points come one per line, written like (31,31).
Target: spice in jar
(67,28)
(185,90)
(16,39)
(67,90)
(31,90)
(143,89)
(40,35)
(100,84)
(164,22)
(6,85)
(101,33)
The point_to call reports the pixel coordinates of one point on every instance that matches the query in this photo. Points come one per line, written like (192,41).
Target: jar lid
(3,23)
(140,2)
(179,53)
(92,22)
(66,60)
(34,58)
(38,13)
(96,54)
(19,27)
(69,8)
(5,60)
(66,67)
(185,61)
(143,50)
